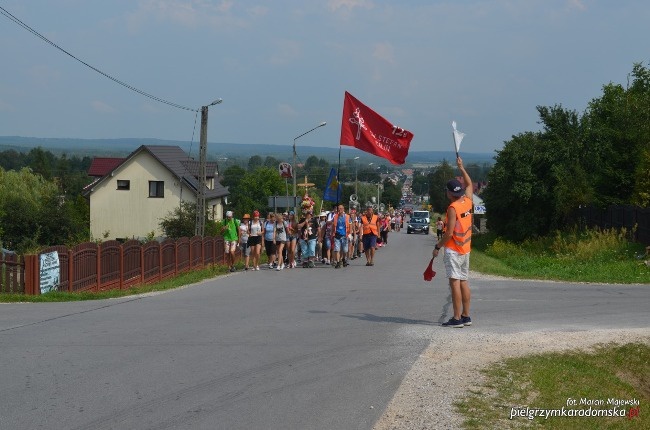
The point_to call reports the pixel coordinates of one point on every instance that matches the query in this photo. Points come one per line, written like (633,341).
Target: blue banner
(333,190)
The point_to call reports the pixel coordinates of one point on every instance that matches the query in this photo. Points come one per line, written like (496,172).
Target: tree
(254,189)
(254,162)
(23,200)
(437,182)
(181,222)
(232,175)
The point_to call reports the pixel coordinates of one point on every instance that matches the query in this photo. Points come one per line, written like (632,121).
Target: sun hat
(323,214)
(455,188)
(246,216)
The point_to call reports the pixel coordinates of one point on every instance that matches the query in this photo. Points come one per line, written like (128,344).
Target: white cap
(229,214)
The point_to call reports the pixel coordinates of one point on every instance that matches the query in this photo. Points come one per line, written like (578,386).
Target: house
(130,196)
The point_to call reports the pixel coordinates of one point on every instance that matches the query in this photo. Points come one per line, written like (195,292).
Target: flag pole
(338,179)
(453,138)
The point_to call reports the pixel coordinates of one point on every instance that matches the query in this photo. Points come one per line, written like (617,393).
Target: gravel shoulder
(452,365)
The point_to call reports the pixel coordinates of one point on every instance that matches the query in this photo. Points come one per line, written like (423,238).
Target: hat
(455,188)
(229,213)
(292,213)
(246,216)
(323,214)
(256,214)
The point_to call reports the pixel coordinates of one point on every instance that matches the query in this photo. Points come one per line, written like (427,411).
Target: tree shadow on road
(396,320)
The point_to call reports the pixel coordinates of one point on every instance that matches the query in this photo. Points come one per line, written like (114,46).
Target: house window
(123,184)
(156,188)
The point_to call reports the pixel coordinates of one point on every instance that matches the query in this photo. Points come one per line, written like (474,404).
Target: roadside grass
(178,281)
(579,256)
(550,380)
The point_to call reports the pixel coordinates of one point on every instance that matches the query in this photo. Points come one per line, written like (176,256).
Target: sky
(282,66)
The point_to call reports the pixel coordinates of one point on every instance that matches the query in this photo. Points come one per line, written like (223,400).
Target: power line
(6,13)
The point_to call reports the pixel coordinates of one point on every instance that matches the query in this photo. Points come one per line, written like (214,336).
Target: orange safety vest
(461,238)
(335,221)
(369,226)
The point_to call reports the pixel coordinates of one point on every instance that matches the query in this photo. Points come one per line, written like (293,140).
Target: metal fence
(113,265)
(12,274)
(634,219)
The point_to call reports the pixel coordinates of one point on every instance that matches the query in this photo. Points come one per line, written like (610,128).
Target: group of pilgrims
(331,238)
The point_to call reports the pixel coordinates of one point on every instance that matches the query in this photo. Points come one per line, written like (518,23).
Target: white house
(130,197)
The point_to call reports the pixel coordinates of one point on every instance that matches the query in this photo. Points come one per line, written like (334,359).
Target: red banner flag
(363,128)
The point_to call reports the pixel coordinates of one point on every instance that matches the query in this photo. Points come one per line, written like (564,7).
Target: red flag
(429,273)
(363,128)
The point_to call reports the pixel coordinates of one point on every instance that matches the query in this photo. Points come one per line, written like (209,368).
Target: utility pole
(200,195)
(199,228)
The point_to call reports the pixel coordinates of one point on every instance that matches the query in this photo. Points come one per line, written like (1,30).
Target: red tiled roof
(101,166)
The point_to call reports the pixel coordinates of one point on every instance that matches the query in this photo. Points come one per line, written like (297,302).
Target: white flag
(458,136)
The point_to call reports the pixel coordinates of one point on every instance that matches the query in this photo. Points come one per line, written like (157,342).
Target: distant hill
(124,146)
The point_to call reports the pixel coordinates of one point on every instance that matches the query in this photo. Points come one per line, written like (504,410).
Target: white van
(422,214)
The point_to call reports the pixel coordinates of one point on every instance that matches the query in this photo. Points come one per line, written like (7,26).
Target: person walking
(341,231)
(280,240)
(309,231)
(229,230)
(440,226)
(255,239)
(457,241)
(292,239)
(370,230)
(269,238)
(244,229)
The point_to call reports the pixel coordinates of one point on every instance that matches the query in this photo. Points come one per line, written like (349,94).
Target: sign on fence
(50,272)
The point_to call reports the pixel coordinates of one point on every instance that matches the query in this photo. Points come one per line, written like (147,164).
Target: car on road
(417,225)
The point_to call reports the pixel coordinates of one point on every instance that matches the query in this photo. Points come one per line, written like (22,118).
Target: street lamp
(295,169)
(356,182)
(199,228)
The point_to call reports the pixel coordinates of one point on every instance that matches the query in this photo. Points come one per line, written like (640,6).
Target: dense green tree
(181,222)
(437,181)
(254,190)
(254,162)
(391,194)
(232,175)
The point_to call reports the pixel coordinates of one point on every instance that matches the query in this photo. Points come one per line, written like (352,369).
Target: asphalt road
(298,349)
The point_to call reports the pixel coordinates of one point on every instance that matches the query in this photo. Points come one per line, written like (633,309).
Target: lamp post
(356,182)
(199,228)
(295,168)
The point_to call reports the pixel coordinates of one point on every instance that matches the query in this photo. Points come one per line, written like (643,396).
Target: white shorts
(230,246)
(456,265)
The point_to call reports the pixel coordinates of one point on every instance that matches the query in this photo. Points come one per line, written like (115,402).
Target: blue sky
(282,66)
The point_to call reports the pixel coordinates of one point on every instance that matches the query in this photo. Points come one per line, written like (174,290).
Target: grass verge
(185,278)
(587,256)
(575,381)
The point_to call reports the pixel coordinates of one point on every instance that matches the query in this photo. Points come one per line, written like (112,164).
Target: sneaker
(454,323)
(311,264)
(232,268)
(257,267)
(327,262)
(467,321)
(270,265)
(246,269)
(345,263)
(338,265)
(280,267)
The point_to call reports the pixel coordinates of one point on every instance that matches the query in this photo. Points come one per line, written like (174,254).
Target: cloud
(576,5)
(335,5)
(285,51)
(102,107)
(258,11)
(43,75)
(384,52)
(6,107)
(287,111)
(187,13)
